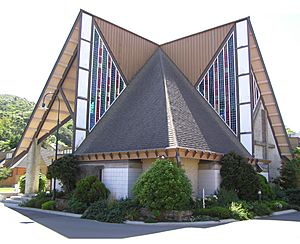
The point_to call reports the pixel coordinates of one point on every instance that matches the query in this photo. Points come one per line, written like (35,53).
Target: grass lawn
(6,189)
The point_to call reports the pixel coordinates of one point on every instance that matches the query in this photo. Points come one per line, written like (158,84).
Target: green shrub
(90,189)
(87,191)
(65,169)
(218,212)
(42,183)
(38,200)
(112,211)
(76,206)
(261,208)
(278,205)
(293,196)
(266,191)
(50,205)
(238,175)
(163,187)
(226,197)
(240,211)
(211,201)
(5,173)
(289,171)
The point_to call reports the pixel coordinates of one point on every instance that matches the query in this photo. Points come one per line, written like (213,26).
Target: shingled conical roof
(160,108)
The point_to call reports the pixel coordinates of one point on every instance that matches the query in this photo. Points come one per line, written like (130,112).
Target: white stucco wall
(209,180)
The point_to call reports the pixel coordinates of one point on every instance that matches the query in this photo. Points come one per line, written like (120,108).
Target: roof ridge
(171,128)
(195,122)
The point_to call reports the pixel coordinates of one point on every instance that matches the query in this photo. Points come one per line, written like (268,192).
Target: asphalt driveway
(72,227)
(83,228)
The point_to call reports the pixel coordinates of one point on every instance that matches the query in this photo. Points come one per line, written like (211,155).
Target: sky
(33,33)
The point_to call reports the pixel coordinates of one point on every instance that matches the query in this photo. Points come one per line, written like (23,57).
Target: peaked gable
(137,120)
(196,124)
(107,82)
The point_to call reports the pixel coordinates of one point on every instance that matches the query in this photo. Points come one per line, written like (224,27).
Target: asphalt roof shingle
(197,125)
(138,118)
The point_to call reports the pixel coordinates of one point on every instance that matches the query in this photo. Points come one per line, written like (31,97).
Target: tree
(14,114)
(290,171)
(4,173)
(239,176)
(65,169)
(289,131)
(163,187)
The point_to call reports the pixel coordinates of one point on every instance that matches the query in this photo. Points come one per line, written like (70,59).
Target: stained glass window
(106,80)
(218,84)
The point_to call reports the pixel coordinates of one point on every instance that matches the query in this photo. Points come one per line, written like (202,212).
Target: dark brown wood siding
(130,50)
(193,53)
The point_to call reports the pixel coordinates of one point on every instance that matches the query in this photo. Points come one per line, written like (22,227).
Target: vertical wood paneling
(130,51)
(192,54)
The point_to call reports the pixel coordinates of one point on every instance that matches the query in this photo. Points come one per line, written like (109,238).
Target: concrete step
(8,200)
(17,199)
(8,194)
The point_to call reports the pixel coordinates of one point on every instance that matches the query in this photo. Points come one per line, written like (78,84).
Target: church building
(132,100)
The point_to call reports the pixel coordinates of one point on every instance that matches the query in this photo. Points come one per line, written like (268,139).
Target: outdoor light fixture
(44,105)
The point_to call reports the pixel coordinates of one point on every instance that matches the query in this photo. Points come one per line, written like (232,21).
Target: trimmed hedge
(163,187)
(218,212)
(87,191)
(112,211)
(260,209)
(38,200)
(50,205)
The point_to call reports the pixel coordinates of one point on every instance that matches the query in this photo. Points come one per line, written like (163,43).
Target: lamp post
(57,135)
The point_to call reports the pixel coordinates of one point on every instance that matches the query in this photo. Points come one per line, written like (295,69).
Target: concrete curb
(202,223)
(277,213)
(284,212)
(15,206)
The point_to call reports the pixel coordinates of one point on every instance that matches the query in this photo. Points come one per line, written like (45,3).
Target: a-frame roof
(160,109)
(62,81)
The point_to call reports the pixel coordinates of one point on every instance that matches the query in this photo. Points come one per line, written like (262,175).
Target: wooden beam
(262,82)
(67,103)
(270,104)
(273,114)
(54,76)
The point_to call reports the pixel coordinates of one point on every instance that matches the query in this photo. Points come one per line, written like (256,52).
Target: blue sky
(33,33)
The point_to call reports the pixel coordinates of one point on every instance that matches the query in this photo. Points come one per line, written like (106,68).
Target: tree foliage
(65,169)
(239,176)
(4,173)
(290,172)
(14,115)
(163,187)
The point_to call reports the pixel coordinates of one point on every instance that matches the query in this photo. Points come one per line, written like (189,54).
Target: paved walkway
(20,229)
(59,228)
